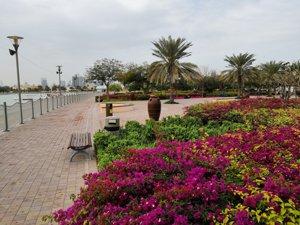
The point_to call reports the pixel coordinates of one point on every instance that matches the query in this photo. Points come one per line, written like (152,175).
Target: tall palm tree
(169,69)
(271,72)
(240,66)
(289,78)
(295,69)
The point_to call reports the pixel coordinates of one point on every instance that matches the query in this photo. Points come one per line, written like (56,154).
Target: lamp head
(15,39)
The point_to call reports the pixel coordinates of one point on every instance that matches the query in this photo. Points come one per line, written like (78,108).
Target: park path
(36,176)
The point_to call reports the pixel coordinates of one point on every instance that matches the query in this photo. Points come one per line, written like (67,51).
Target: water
(10,99)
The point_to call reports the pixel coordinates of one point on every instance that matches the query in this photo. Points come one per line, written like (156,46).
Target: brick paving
(36,176)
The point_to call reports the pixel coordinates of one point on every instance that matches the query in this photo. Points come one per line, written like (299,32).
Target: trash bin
(112,123)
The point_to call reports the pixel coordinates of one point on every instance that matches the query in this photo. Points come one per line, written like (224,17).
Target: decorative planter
(154,107)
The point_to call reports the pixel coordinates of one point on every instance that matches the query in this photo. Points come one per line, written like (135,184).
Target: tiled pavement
(35,173)
(36,176)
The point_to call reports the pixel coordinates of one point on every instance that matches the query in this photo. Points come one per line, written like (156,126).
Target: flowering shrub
(238,178)
(219,110)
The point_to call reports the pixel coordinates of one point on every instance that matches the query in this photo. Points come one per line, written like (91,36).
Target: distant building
(44,83)
(78,81)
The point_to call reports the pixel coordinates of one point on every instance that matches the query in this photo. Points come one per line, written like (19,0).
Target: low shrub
(178,128)
(239,178)
(135,135)
(219,110)
(217,128)
(111,146)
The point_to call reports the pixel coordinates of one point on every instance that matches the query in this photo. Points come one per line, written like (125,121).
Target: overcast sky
(75,33)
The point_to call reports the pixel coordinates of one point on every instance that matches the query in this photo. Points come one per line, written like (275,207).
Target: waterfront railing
(10,114)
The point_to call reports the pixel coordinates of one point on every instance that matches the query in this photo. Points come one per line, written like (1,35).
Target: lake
(10,99)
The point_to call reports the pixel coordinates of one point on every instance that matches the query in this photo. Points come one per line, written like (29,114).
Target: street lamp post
(15,41)
(59,73)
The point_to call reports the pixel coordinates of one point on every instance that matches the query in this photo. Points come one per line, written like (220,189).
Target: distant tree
(169,69)
(270,73)
(106,71)
(39,88)
(289,78)
(135,77)
(115,87)
(47,88)
(5,89)
(54,87)
(295,72)
(240,67)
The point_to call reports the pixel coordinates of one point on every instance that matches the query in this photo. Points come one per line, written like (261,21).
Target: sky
(75,33)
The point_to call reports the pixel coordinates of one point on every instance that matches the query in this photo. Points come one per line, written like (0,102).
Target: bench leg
(78,152)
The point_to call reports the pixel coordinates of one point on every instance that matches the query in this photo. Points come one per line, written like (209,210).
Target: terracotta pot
(154,107)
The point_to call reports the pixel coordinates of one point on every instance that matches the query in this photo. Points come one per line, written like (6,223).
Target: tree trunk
(239,86)
(107,91)
(171,94)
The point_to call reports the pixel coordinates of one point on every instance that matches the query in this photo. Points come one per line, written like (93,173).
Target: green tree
(135,77)
(5,89)
(47,88)
(295,70)
(169,69)
(54,87)
(106,71)
(115,87)
(270,73)
(240,68)
(289,78)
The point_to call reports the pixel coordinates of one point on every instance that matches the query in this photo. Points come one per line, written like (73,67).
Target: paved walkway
(36,176)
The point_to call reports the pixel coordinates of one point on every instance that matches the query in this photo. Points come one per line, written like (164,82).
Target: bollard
(109,109)
(56,102)
(32,108)
(64,100)
(52,102)
(47,104)
(5,116)
(41,107)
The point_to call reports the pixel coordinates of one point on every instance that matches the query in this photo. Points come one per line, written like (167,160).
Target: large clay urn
(154,107)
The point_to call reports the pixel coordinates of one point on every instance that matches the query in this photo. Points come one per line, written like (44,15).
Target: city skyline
(76,34)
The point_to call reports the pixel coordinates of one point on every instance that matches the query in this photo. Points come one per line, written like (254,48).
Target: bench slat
(80,140)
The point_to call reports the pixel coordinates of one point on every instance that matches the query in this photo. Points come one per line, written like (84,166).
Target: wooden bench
(79,142)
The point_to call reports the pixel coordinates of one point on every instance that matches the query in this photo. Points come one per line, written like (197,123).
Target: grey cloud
(76,33)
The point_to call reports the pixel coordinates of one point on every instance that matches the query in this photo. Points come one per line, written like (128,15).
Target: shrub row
(164,95)
(219,110)
(111,146)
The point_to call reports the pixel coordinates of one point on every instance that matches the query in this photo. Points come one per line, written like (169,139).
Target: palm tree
(271,71)
(295,69)
(240,67)
(168,69)
(289,78)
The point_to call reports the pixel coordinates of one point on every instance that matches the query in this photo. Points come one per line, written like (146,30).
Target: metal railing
(10,114)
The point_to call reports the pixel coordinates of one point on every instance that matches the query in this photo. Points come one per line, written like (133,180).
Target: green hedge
(112,146)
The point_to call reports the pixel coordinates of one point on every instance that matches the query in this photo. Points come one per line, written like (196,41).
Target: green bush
(235,116)
(115,87)
(178,128)
(112,146)
(214,128)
